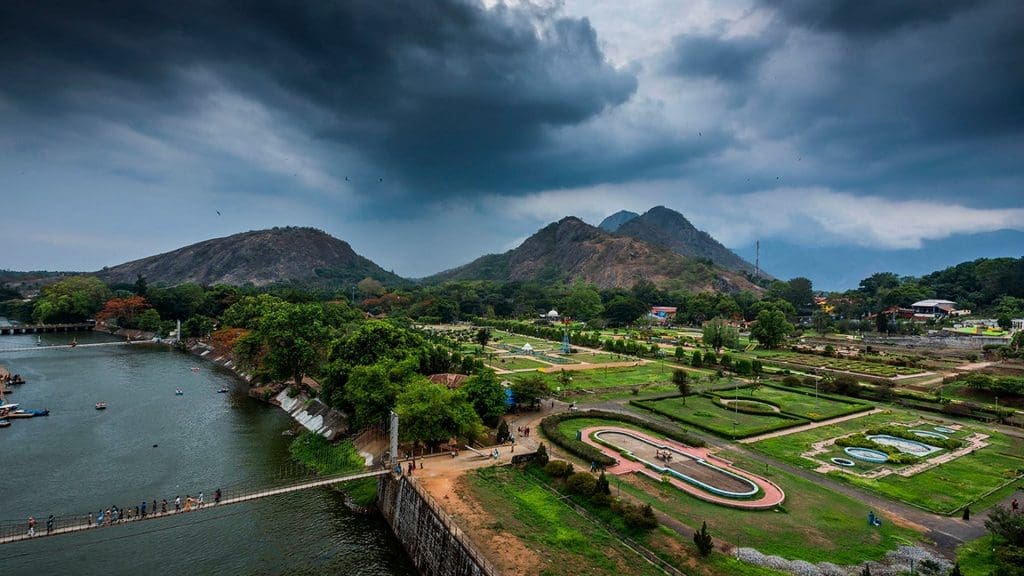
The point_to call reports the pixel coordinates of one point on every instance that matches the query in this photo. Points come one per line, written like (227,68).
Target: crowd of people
(115,515)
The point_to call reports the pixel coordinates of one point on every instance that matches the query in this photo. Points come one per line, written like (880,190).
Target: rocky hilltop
(669,229)
(302,256)
(615,221)
(570,250)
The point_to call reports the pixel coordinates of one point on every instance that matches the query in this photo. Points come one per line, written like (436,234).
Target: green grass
(803,405)
(618,377)
(317,453)
(943,489)
(600,357)
(515,363)
(646,389)
(704,413)
(568,543)
(816,524)
(976,558)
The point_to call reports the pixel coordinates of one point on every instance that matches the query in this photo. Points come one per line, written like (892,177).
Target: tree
(882,322)
(432,413)
(123,311)
(583,302)
(149,321)
(73,299)
(771,328)
(486,395)
(697,360)
(682,382)
(718,334)
(483,336)
(602,482)
(821,321)
(680,354)
(703,540)
(503,434)
(530,389)
(1007,529)
(197,326)
(623,310)
(140,287)
(542,454)
(370,287)
(370,391)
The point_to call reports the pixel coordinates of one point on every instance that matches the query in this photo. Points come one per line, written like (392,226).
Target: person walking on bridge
(216,496)
(177,503)
(49,524)
(31,526)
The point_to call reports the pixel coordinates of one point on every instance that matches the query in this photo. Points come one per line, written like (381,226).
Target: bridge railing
(18,529)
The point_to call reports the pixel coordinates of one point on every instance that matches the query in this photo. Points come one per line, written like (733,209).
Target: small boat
(178,392)
(17,379)
(28,413)
(5,423)
(195,368)
(101,405)
(222,390)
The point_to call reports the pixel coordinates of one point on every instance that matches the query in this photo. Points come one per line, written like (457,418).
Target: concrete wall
(313,414)
(436,546)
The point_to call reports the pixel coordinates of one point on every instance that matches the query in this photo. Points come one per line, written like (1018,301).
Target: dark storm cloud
(712,56)
(868,17)
(444,95)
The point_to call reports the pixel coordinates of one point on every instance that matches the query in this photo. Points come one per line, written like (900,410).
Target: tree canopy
(770,328)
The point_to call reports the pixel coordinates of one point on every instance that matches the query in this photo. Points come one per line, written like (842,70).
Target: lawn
(805,405)
(943,489)
(617,377)
(601,357)
(703,412)
(513,363)
(570,544)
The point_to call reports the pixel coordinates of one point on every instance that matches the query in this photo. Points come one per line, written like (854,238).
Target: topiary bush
(582,483)
(557,468)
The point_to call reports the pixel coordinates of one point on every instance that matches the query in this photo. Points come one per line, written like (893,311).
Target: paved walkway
(811,426)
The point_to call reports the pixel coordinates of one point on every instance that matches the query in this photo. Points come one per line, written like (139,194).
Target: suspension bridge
(75,346)
(19,531)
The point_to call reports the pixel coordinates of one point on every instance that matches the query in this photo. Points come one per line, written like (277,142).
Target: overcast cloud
(880,125)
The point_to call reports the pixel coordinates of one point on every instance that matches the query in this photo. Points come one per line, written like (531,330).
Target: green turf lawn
(976,558)
(858,366)
(510,363)
(704,413)
(600,357)
(943,489)
(803,405)
(617,377)
(571,544)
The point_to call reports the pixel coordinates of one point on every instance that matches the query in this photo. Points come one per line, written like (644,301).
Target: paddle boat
(179,392)
(28,413)
(101,405)
(5,423)
(222,390)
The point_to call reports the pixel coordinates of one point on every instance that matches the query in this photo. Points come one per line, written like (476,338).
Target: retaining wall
(436,546)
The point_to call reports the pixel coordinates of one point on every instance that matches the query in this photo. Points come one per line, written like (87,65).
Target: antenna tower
(757,259)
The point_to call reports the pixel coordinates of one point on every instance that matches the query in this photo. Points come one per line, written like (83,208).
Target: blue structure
(509,399)
(565,341)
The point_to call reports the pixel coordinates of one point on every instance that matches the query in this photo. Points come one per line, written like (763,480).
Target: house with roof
(933,307)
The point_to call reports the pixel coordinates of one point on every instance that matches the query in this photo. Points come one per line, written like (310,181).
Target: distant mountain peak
(571,250)
(667,228)
(612,223)
(291,255)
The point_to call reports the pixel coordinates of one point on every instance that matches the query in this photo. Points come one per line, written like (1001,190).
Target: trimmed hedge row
(550,427)
(794,421)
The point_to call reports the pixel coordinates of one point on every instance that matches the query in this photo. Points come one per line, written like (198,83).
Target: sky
(849,137)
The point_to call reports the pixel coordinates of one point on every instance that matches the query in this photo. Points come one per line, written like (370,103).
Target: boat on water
(17,379)
(28,413)
(4,423)
(222,390)
(178,392)
(101,405)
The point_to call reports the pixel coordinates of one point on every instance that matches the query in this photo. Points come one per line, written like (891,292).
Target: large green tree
(486,395)
(432,413)
(770,328)
(718,334)
(288,341)
(583,302)
(72,299)
(529,389)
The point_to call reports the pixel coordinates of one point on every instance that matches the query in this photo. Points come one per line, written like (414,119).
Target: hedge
(550,427)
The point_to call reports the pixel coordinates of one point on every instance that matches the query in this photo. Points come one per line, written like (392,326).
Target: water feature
(912,447)
(866,454)
(846,462)
(944,430)
(695,471)
(79,459)
(929,434)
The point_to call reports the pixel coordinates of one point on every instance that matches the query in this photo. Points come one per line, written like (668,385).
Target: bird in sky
(218,212)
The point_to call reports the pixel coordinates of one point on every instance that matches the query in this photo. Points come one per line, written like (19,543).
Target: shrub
(703,540)
(638,516)
(602,484)
(542,454)
(582,483)
(557,468)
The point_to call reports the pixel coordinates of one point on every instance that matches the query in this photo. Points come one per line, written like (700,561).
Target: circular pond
(929,434)
(944,430)
(912,447)
(844,462)
(866,454)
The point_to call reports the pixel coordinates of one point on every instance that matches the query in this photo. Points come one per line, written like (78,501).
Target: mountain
(301,256)
(670,229)
(615,221)
(571,250)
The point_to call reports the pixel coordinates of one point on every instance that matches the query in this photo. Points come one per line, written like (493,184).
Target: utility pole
(394,440)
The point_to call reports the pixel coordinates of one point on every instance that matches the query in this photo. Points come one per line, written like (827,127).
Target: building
(1017,324)
(933,307)
(663,313)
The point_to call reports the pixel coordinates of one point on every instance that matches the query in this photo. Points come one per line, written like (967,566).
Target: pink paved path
(771,495)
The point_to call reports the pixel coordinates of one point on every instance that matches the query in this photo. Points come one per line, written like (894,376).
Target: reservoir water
(80,459)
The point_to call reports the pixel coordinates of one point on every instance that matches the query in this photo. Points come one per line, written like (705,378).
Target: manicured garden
(612,377)
(842,364)
(943,489)
(804,403)
(708,413)
(515,363)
